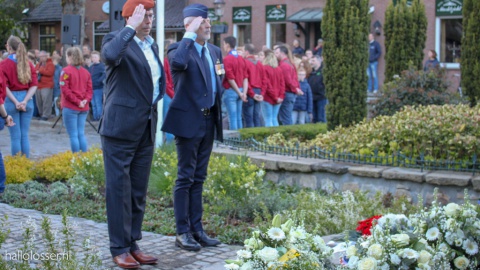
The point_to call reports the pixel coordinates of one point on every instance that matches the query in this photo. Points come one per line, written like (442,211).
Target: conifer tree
(345,26)
(405,34)
(470,65)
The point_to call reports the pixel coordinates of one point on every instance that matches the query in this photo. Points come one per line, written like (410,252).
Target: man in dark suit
(194,117)
(135,83)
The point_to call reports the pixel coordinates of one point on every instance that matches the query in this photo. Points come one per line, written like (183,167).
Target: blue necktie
(208,74)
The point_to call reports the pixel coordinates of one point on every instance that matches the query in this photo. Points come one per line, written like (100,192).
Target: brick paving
(45,141)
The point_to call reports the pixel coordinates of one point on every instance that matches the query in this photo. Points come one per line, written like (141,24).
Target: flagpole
(160,38)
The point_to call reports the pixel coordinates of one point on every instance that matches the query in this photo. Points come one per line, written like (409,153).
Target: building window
(99,31)
(451,40)
(47,38)
(243,33)
(276,32)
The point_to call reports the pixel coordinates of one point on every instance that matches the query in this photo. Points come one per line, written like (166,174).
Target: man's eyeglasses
(150,17)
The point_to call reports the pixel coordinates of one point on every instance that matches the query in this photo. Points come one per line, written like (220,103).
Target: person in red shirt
(169,91)
(76,87)
(235,83)
(6,120)
(252,109)
(44,95)
(272,89)
(21,83)
(291,87)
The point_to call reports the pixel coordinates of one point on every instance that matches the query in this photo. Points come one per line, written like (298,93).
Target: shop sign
(242,14)
(276,13)
(449,7)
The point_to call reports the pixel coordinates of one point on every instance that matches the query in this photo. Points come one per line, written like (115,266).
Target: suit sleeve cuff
(190,35)
(131,27)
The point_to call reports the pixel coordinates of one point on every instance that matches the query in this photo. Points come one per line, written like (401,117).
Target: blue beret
(195,10)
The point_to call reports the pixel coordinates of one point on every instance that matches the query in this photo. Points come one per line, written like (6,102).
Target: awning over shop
(307,15)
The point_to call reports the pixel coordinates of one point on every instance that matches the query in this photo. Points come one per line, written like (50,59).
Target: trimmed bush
(56,167)
(303,132)
(440,132)
(19,169)
(414,87)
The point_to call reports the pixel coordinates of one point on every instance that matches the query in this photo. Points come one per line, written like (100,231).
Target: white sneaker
(375,91)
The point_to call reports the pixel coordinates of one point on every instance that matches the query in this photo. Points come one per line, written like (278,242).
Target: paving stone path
(170,257)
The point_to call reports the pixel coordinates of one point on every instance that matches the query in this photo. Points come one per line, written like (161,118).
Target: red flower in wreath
(364,226)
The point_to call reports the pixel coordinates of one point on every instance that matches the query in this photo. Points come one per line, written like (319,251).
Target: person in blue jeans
(6,120)
(97,71)
(76,87)
(21,82)
(375,51)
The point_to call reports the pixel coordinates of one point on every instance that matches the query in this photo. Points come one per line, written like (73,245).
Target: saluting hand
(137,17)
(195,24)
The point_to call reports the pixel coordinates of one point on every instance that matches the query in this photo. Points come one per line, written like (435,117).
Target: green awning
(307,15)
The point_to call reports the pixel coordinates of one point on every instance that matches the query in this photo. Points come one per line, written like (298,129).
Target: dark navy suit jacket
(129,100)
(184,117)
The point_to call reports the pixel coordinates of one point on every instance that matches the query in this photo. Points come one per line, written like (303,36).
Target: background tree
(345,26)
(470,65)
(405,34)
(11,18)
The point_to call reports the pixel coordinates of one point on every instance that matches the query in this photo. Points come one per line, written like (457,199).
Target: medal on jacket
(219,68)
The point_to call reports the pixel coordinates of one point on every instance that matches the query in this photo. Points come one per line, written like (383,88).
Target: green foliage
(19,169)
(303,132)
(345,25)
(405,35)
(441,132)
(56,167)
(164,170)
(470,66)
(89,166)
(414,88)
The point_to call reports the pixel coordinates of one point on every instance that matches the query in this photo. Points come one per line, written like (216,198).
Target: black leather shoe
(202,238)
(186,241)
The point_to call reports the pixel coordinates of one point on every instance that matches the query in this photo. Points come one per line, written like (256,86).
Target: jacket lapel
(136,49)
(197,58)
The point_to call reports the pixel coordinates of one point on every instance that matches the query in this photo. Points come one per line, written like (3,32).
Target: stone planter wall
(332,176)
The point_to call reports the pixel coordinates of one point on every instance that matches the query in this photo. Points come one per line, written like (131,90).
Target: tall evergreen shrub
(470,61)
(405,34)
(345,26)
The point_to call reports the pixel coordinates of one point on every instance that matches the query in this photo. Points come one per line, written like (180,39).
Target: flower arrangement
(283,246)
(364,226)
(442,237)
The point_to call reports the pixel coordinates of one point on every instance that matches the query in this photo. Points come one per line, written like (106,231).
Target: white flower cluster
(283,246)
(442,237)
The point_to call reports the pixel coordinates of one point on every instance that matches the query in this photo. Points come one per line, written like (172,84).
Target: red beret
(130,6)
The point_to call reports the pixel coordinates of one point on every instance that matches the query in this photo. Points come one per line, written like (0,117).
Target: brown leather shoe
(126,261)
(143,258)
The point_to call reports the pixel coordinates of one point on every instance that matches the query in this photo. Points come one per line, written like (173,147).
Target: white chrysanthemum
(231,266)
(424,257)
(268,254)
(443,248)
(352,262)
(318,242)
(246,266)
(461,262)
(276,234)
(470,247)
(351,251)
(395,259)
(451,209)
(433,234)
(409,253)
(298,233)
(375,251)
(367,264)
(244,254)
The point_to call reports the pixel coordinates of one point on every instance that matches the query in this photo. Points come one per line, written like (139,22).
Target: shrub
(56,167)
(414,88)
(19,169)
(164,170)
(89,166)
(440,132)
(303,132)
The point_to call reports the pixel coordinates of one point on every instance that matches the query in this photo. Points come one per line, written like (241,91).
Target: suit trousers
(44,99)
(127,169)
(193,157)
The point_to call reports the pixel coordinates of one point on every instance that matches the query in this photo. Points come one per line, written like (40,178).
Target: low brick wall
(333,176)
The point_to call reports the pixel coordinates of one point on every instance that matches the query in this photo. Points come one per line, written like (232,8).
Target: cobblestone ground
(163,247)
